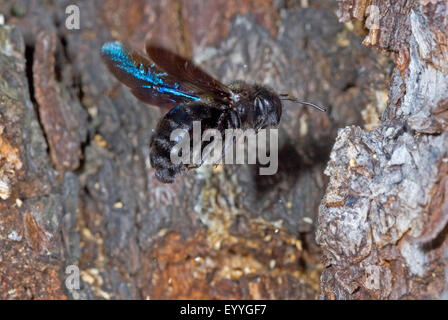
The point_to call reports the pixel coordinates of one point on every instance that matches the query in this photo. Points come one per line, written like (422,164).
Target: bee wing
(188,73)
(146,79)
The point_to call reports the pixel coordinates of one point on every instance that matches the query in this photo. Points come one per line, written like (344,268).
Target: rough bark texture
(76,186)
(382,222)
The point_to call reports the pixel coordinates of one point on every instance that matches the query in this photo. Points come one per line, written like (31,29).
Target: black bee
(170,81)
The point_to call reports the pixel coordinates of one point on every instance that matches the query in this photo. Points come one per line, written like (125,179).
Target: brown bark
(76,185)
(382,223)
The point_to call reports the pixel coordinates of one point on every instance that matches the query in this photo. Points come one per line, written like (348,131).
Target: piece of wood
(387,239)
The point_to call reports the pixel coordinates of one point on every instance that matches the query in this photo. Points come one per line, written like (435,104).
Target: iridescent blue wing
(187,73)
(147,81)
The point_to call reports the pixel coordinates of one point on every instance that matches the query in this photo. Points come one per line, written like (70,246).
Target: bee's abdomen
(161,147)
(180,117)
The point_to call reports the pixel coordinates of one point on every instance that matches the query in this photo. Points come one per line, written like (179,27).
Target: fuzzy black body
(253,107)
(182,117)
(170,81)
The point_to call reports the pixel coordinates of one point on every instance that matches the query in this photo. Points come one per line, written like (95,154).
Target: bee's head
(267,108)
(260,107)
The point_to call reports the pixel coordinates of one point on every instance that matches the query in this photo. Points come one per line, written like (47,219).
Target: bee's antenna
(289,97)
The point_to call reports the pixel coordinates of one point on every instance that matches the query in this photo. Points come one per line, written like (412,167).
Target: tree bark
(382,222)
(76,187)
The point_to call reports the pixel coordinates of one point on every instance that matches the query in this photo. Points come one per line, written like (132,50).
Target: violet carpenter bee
(167,80)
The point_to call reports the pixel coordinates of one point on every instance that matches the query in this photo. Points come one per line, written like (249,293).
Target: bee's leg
(193,166)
